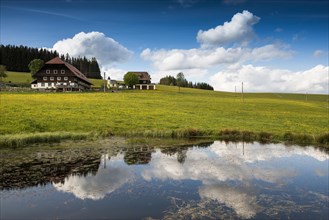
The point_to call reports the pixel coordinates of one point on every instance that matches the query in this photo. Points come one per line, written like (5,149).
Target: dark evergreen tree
(17,58)
(170,80)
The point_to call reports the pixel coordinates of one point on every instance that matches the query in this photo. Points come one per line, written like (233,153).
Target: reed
(19,140)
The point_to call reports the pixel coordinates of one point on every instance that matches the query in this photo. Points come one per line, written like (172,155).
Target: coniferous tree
(182,82)
(17,58)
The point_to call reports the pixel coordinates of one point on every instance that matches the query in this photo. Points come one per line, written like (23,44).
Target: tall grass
(19,140)
(235,136)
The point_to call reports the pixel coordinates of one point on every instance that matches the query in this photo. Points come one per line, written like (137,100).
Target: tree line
(17,58)
(181,81)
(89,67)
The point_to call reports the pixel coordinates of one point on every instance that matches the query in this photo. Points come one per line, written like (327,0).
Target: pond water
(215,180)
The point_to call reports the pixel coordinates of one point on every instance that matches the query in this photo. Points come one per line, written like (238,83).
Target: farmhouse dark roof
(74,70)
(34,81)
(142,75)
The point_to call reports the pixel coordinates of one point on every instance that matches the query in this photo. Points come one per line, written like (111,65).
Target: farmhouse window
(65,78)
(55,71)
(51,78)
(58,78)
(42,84)
(62,71)
(45,78)
(48,71)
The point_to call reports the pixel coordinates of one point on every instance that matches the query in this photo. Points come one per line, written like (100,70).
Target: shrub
(323,139)
(303,139)
(230,135)
(248,136)
(264,137)
(288,137)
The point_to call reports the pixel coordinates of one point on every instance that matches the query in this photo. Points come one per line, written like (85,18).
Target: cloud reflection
(243,203)
(104,182)
(228,173)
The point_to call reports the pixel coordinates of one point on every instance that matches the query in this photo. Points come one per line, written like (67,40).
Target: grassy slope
(25,77)
(97,82)
(18,77)
(164,109)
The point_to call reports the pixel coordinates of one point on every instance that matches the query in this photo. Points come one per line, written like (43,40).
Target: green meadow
(18,77)
(164,112)
(26,78)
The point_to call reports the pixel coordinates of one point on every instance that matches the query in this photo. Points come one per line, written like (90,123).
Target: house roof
(74,70)
(142,75)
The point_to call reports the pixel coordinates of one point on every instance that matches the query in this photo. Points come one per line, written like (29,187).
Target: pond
(214,180)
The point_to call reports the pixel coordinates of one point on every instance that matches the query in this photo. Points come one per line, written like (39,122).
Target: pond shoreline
(21,140)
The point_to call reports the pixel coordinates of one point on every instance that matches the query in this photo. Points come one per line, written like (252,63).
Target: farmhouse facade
(144,81)
(60,76)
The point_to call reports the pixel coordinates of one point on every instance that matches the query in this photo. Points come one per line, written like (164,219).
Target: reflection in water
(107,179)
(231,181)
(237,199)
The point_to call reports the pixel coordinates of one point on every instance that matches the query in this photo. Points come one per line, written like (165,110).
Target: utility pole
(104,82)
(242,93)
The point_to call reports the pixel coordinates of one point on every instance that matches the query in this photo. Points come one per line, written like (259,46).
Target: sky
(269,45)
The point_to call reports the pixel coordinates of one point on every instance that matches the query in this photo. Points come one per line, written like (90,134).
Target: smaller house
(111,83)
(144,81)
(115,84)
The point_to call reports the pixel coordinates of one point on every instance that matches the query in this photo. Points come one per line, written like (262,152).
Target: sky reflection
(233,174)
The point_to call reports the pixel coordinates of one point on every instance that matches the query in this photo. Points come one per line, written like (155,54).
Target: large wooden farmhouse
(144,81)
(60,76)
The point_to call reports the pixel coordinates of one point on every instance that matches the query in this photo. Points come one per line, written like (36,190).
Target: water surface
(209,181)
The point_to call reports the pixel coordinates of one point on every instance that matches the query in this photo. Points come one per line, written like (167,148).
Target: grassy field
(163,111)
(97,82)
(18,77)
(24,77)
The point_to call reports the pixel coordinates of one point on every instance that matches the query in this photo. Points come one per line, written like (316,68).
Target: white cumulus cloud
(224,53)
(94,44)
(197,58)
(260,79)
(112,72)
(238,29)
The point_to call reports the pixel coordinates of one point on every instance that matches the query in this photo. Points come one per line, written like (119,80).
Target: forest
(181,81)
(17,58)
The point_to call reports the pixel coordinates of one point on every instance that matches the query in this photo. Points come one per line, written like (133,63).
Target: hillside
(25,77)
(18,77)
(163,110)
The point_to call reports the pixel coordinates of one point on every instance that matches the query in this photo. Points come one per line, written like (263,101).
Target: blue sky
(273,46)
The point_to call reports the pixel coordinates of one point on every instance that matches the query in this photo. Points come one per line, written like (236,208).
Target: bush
(264,137)
(323,139)
(248,136)
(303,139)
(230,135)
(288,137)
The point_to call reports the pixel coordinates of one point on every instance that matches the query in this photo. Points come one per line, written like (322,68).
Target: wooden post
(234,91)
(242,93)
(104,82)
